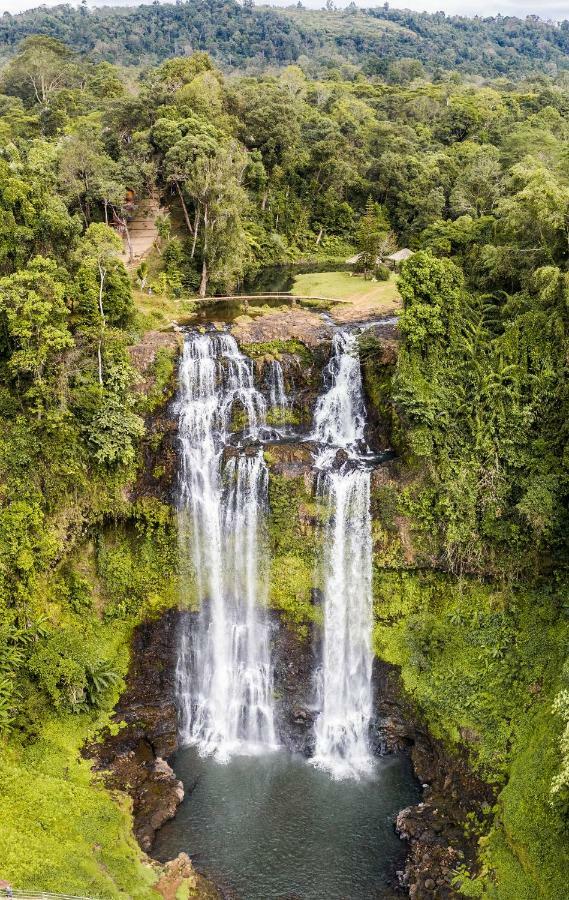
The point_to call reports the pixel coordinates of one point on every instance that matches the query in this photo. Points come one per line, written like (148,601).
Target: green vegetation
(484,664)
(318,159)
(293,543)
(396,43)
(60,829)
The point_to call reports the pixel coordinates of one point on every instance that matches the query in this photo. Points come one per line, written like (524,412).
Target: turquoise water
(274,827)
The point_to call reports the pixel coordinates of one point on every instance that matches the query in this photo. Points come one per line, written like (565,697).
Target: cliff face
(135,758)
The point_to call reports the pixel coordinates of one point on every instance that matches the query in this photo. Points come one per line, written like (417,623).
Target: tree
(88,175)
(33,218)
(477,186)
(373,238)
(33,317)
(103,284)
(41,67)
(535,215)
(219,196)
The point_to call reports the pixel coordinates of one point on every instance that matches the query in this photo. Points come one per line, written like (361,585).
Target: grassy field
(360,298)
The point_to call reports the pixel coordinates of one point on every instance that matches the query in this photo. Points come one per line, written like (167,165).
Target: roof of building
(400,255)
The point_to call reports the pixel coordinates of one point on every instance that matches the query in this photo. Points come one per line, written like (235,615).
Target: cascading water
(224,673)
(342,740)
(278,399)
(339,417)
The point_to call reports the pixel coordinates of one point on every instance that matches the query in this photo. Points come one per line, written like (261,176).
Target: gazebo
(395,259)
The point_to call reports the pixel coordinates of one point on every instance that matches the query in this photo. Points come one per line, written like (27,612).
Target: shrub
(381,273)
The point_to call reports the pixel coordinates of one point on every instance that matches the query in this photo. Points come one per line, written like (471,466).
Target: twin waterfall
(342,727)
(224,668)
(224,671)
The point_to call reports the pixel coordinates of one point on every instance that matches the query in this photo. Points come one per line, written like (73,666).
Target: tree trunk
(128,241)
(203,282)
(319,238)
(122,222)
(184,208)
(102,274)
(100,359)
(196,226)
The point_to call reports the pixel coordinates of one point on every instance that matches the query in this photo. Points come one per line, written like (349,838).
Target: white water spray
(224,673)
(342,728)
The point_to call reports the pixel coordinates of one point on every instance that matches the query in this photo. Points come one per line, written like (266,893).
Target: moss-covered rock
(294,535)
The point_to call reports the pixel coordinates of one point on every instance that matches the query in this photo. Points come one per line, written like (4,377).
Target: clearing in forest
(361,299)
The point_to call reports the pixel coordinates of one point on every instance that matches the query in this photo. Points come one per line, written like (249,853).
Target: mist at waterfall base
(273,827)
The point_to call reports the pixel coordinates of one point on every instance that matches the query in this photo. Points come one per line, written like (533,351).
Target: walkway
(39,895)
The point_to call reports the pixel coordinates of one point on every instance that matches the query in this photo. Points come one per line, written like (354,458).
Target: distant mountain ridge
(245,36)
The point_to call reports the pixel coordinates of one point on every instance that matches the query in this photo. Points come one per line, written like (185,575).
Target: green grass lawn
(349,288)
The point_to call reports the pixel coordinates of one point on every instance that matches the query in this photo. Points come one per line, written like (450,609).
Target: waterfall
(342,739)
(224,675)
(339,417)
(278,400)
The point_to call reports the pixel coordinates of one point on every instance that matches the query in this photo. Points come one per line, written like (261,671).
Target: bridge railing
(39,895)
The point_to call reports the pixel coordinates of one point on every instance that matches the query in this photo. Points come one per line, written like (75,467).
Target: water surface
(272,827)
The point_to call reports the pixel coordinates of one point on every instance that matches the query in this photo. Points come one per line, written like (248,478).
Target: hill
(259,37)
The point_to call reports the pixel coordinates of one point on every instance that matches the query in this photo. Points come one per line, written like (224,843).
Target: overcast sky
(547,9)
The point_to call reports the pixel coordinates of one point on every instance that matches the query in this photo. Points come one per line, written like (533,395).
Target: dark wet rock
(316,596)
(179,878)
(435,827)
(292,460)
(158,472)
(294,690)
(155,790)
(393,728)
(133,759)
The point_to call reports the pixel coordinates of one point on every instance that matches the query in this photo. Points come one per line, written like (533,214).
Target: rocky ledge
(453,798)
(292,324)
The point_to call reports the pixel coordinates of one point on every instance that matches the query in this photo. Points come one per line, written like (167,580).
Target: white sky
(547,9)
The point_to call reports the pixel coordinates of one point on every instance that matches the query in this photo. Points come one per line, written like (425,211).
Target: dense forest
(391,42)
(314,161)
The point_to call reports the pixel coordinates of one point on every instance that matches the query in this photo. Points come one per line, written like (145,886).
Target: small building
(353,260)
(394,260)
